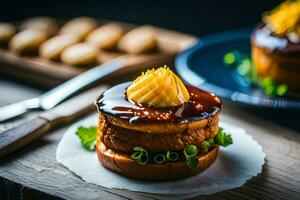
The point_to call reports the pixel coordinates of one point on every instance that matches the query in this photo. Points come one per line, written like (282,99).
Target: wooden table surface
(33,173)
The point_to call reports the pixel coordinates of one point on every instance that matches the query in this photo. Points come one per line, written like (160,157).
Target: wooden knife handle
(22,134)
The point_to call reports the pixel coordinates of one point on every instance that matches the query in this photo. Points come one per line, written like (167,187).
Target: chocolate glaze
(201,105)
(262,36)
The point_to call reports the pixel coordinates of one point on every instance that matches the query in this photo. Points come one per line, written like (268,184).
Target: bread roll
(106,36)
(139,40)
(52,48)
(82,54)
(28,41)
(7,31)
(80,26)
(46,24)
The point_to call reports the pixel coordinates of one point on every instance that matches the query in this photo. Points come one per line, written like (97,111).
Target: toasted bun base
(123,164)
(282,68)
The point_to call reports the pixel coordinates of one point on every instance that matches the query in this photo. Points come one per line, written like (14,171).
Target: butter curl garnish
(158,88)
(285,18)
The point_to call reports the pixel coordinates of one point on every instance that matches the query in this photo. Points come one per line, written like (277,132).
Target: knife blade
(17,137)
(63,91)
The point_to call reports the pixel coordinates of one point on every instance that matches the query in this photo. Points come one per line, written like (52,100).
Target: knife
(56,95)
(18,136)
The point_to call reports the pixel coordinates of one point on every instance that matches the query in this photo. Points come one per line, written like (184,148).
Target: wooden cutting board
(44,73)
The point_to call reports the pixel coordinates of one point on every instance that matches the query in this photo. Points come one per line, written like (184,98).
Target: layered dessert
(158,128)
(276,45)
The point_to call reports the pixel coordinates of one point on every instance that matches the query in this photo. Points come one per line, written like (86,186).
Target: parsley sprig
(87,136)
(222,138)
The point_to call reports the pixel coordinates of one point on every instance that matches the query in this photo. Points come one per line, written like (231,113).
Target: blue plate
(202,66)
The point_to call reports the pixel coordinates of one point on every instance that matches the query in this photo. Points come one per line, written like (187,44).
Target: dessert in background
(28,41)
(46,24)
(157,128)
(80,26)
(81,54)
(276,45)
(7,31)
(52,48)
(107,36)
(139,40)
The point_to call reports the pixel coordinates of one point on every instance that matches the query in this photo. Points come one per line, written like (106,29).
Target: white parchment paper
(235,165)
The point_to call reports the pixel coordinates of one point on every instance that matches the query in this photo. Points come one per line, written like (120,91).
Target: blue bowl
(202,66)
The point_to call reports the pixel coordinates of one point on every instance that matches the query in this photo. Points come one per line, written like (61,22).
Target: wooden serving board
(46,73)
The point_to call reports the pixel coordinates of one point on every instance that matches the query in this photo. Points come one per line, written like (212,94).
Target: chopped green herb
(269,86)
(140,149)
(192,162)
(87,136)
(159,158)
(204,146)
(190,153)
(265,82)
(222,138)
(140,155)
(172,156)
(211,141)
(231,58)
(143,159)
(136,154)
(244,66)
(269,90)
(281,90)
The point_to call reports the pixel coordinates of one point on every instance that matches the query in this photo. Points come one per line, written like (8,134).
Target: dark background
(194,17)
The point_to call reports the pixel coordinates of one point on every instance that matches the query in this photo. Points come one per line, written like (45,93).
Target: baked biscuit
(7,31)
(106,36)
(28,41)
(52,48)
(82,54)
(46,24)
(139,40)
(80,26)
